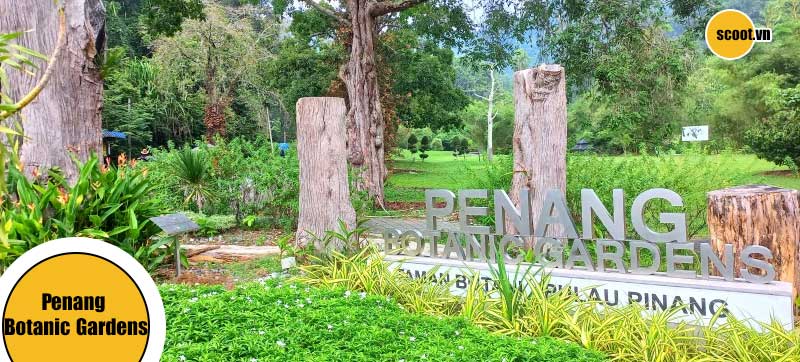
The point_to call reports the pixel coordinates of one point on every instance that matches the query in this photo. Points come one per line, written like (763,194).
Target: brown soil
(782,173)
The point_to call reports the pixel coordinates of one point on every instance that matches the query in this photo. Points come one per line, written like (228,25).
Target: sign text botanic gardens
(661,270)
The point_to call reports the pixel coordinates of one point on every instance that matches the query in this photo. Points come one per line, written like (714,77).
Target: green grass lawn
(411,176)
(281,321)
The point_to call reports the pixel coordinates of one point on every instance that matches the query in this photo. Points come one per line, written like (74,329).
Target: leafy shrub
(107,203)
(192,169)
(244,177)
(436,144)
(690,175)
(279,322)
(777,138)
(212,224)
(623,333)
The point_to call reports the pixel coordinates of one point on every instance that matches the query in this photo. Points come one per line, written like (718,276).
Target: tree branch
(388,6)
(328,11)
(51,65)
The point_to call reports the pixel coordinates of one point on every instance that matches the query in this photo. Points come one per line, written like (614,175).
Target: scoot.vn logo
(730,34)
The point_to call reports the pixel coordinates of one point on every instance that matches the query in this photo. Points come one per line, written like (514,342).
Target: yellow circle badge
(80,299)
(730,34)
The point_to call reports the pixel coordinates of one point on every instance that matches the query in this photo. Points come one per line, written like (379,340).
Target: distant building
(582,146)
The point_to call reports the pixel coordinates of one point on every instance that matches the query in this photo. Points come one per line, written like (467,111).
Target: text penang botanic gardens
(651,269)
(474,242)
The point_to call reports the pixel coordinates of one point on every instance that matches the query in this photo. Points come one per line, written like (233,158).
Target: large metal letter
(678,219)
(554,201)
(707,254)
(749,261)
(636,267)
(591,203)
(465,211)
(432,212)
(504,207)
(674,259)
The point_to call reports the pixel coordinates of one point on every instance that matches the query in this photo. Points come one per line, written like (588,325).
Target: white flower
(182,358)
(281,343)
(193,300)
(253,360)
(293,286)
(301,305)
(461,347)
(458,333)
(261,333)
(412,338)
(363,295)
(308,300)
(401,360)
(330,327)
(424,356)
(347,294)
(402,333)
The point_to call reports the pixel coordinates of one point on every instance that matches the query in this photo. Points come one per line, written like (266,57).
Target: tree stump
(759,215)
(322,151)
(540,135)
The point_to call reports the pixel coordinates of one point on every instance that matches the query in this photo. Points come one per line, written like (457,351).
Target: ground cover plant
(623,333)
(280,321)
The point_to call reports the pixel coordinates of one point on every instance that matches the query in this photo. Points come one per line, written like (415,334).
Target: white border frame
(140,276)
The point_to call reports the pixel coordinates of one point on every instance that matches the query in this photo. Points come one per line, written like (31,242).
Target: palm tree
(191,168)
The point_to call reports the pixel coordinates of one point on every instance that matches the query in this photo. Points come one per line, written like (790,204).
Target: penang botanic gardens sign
(662,271)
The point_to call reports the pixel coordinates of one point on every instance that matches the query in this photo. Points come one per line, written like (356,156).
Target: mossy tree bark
(65,118)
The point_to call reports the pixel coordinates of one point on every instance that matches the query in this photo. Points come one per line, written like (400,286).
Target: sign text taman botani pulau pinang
(660,270)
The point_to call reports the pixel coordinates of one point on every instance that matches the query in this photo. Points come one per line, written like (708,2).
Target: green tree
(219,55)
(424,147)
(412,144)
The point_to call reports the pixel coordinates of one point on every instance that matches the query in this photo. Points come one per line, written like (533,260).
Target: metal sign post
(173,225)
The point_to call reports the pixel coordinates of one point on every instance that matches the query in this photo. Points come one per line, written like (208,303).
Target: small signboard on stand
(694,133)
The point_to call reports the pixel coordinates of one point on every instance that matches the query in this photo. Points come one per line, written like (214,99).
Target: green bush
(107,203)
(290,322)
(244,177)
(777,138)
(212,224)
(436,144)
(690,175)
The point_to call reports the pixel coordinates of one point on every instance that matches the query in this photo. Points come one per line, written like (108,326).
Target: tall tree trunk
(365,124)
(214,113)
(66,116)
(321,150)
(540,135)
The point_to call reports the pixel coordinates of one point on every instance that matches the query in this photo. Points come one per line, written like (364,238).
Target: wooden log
(540,135)
(322,152)
(759,215)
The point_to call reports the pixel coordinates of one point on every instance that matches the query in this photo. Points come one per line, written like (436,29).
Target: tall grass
(623,333)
